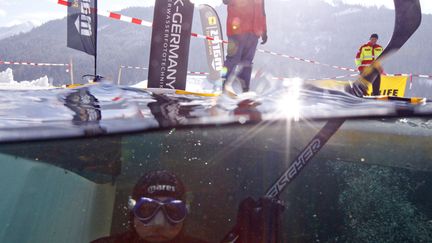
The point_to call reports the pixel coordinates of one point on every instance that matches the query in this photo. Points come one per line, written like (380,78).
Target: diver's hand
(264,38)
(259,221)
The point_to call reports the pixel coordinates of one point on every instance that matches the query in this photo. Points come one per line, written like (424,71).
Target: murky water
(335,199)
(370,183)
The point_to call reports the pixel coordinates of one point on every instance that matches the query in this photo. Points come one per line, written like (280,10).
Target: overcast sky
(14,12)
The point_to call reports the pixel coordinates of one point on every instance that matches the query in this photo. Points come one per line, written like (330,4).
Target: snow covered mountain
(15,30)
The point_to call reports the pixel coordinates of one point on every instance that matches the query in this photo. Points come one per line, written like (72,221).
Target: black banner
(215,49)
(82,26)
(169,54)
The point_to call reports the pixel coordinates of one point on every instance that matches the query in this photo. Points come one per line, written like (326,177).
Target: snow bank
(7,82)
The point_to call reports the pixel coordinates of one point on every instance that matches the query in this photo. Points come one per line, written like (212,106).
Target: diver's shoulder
(131,237)
(190,239)
(124,237)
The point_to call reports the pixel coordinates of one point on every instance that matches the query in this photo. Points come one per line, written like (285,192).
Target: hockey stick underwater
(408,19)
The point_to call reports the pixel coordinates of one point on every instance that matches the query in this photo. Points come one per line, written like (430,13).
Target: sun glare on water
(289,105)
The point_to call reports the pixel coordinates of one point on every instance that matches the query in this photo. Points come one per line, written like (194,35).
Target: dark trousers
(376,86)
(241,52)
(376,83)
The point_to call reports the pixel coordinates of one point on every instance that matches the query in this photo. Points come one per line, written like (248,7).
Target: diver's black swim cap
(159,184)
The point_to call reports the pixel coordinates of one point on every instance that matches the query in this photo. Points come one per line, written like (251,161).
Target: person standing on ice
(368,53)
(246,23)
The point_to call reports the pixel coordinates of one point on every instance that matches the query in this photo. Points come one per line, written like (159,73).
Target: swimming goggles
(146,209)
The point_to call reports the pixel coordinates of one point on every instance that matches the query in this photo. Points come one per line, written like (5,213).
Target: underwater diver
(158,211)
(246,23)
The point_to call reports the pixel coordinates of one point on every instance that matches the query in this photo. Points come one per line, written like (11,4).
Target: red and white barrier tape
(143,68)
(409,75)
(113,15)
(198,73)
(208,38)
(336,77)
(314,79)
(149,24)
(34,64)
(339,67)
(131,67)
(137,21)
(307,60)
(125,18)
(317,79)
(274,78)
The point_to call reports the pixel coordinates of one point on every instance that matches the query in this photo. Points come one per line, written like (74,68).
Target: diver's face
(158,229)
(373,40)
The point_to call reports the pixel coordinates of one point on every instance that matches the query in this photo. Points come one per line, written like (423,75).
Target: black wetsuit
(132,237)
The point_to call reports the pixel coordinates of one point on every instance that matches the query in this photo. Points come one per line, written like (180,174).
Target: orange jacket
(367,54)
(246,16)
